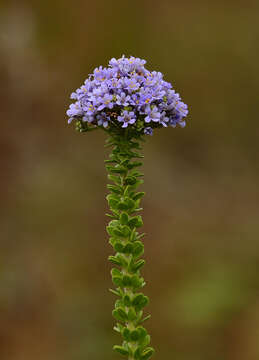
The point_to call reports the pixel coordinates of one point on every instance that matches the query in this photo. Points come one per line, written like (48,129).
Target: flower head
(127,95)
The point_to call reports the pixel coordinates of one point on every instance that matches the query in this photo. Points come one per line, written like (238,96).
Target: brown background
(202,202)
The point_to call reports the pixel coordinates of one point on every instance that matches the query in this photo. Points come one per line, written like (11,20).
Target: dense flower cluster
(125,95)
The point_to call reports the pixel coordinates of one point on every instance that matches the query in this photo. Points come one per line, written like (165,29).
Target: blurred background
(202,203)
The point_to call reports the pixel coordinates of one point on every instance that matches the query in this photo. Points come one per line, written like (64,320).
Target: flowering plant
(127,101)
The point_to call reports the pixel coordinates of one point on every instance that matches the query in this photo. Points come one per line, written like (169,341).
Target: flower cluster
(126,94)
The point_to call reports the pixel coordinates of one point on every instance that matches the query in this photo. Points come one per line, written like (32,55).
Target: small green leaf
(119,304)
(127,204)
(120,314)
(139,182)
(113,204)
(128,108)
(114,223)
(137,353)
(137,265)
(145,341)
(122,205)
(112,216)
(114,260)
(117,280)
(138,195)
(118,328)
(115,179)
(126,191)
(111,226)
(121,350)
(109,230)
(147,353)
(136,155)
(124,162)
(132,314)
(138,249)
(115,292)
(122,260)
(137,173)
(109,161)
(137,281)
(118,247)
(126,334)
(133,235)
(115,272)
(117,169)
(140,303)
(145,319)
(134,335)
(124,218)
(126,280)
(112,241)
(115,189)
(138,299)
(134,165)
(135,221)
(118,232)
(126,300)
(135,210)
(125,230)
(142,332)
(130,180)
(140,236)
(128,248)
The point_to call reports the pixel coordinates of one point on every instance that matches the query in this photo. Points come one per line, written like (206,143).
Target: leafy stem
(124,204)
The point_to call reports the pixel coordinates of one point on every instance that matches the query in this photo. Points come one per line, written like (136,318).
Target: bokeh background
(202,203)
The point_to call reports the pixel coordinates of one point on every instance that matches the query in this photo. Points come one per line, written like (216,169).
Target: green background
(202,201)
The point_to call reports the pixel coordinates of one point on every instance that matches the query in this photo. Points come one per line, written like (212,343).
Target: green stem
(124,203)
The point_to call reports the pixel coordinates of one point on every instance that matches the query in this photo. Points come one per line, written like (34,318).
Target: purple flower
(182,109)
(131,84)
(103,119)
(145,97)
(126,65)
(106,102)
(100,74)
(127,118)
(122,99)
(75,110)
(89,109)
(148,131)
(152,114)
(88,118)
(164,119)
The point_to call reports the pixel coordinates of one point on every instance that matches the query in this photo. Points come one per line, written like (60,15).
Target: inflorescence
(126,95)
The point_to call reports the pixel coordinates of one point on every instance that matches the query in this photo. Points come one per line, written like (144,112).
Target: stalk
(124,203)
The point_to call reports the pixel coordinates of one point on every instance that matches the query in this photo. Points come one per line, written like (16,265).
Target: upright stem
(124,203)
